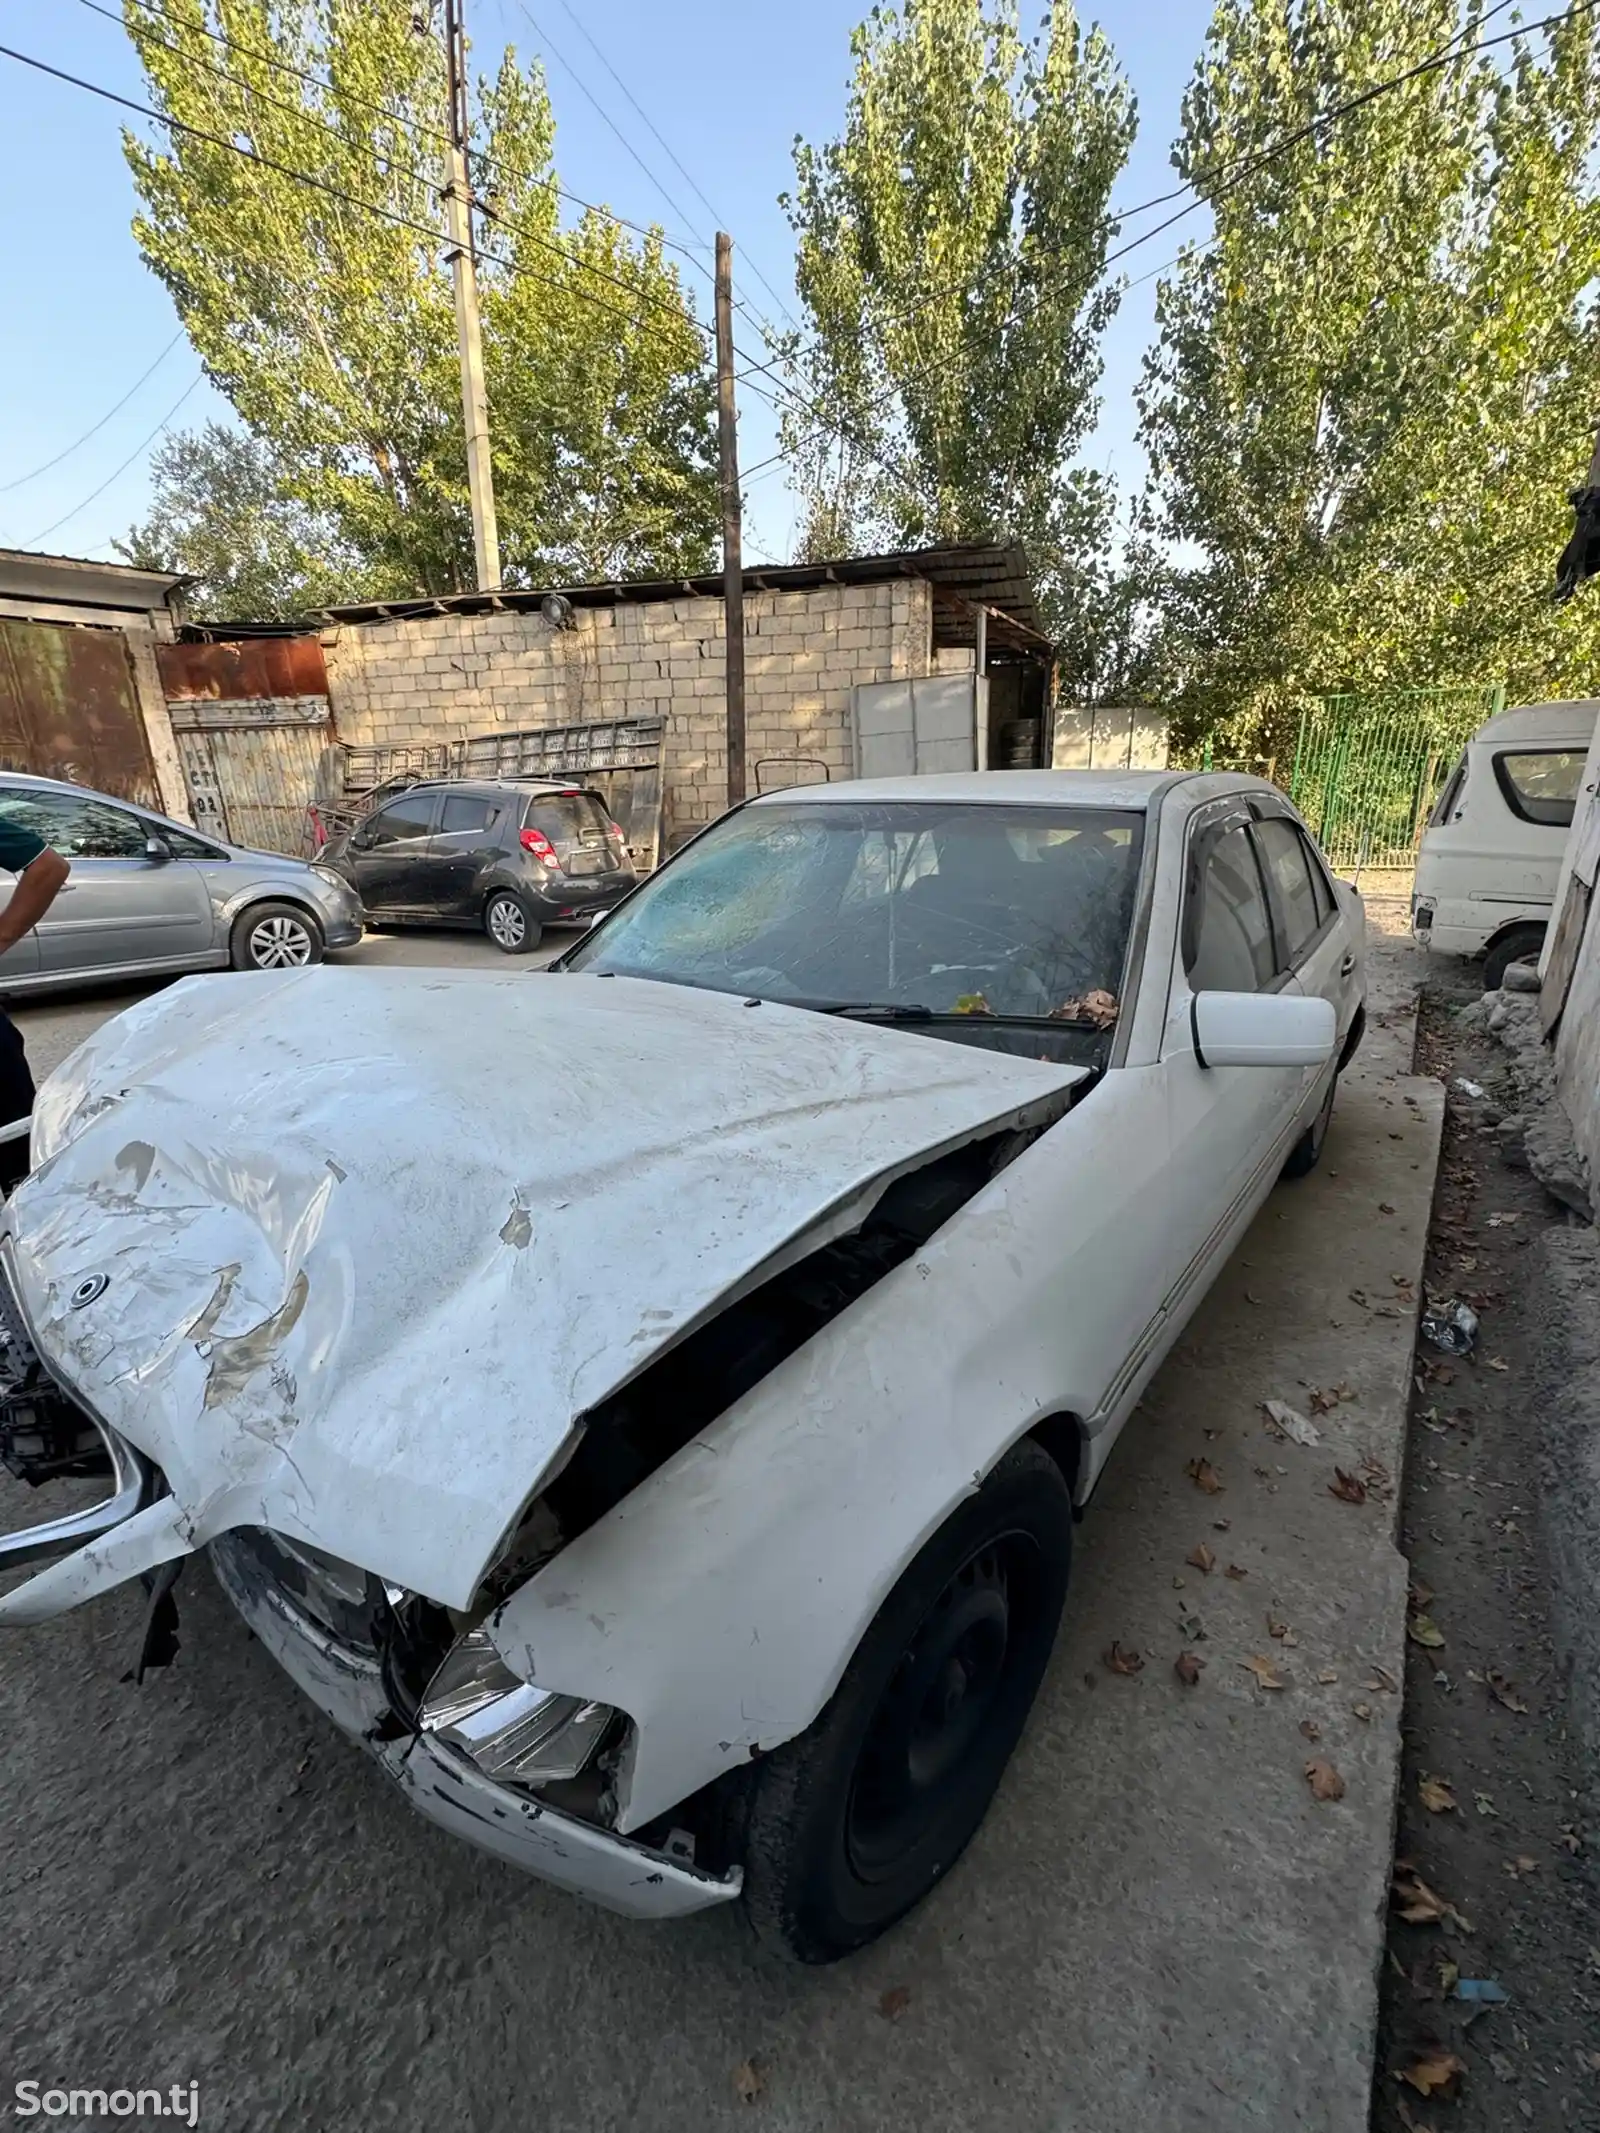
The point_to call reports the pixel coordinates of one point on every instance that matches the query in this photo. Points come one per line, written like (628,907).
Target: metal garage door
(69,709)
(251,766)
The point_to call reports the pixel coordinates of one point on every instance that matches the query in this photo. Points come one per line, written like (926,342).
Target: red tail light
(614,832)
(543,850)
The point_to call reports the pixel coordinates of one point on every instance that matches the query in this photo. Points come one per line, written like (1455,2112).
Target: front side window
(1541,787)
(942,909)
(1228,930)
(78,829)
(183,846)
(1284,854)
(402,819)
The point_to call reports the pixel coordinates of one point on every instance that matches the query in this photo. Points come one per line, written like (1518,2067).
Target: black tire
(1519,944)
(852,1823)
(1306,1153)
(509,922)
(275,936)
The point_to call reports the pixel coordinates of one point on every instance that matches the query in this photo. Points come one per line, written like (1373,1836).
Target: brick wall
(439,676)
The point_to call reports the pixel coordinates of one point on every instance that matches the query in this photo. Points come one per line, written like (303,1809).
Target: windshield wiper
(876,1010)
(870,1011)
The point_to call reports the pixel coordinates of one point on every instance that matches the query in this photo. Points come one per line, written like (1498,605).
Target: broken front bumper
(348,1687)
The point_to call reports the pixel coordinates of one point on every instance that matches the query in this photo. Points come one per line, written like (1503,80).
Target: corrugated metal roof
(992,575)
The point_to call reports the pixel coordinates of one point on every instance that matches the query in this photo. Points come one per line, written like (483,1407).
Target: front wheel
(854,1822)
(510,924)
(1306,1153)
(275,937)
(1521,945)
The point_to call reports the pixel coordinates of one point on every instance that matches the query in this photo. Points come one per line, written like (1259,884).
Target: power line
(388,164)
(721,223)
(34,539)
(68,450)
(381,110)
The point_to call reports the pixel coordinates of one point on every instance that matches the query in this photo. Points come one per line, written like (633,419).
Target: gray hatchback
(147,896)
(512,856)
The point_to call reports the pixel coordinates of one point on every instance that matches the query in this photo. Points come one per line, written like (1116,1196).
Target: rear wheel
(856,1820)
(1520,944)
(275,937)
(510,924)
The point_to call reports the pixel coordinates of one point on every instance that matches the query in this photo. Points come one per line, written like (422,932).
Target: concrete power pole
(732,558)
(458,227)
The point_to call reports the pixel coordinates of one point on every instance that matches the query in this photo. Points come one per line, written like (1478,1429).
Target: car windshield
(1014,916)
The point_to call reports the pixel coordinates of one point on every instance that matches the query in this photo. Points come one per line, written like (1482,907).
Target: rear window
(1541,787)
(568,818)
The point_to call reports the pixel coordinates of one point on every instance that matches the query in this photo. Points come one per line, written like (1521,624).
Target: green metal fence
(1367,769)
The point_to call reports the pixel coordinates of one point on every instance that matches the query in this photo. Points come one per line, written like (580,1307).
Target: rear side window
(1540,787)
(463,812)
(81,829)
(567,818)
(1450,799)
(1228,938)
(1288,864)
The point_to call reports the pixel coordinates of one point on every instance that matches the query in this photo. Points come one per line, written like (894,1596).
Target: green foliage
(332,330)
(1369,394)
(950,253)
(223,514)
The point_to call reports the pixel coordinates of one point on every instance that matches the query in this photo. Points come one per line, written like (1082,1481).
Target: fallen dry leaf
(1498,1362)
(1485,1805)
(1289,1422)
(1188,1668)
(1282,1631)
(1327,1677)
(1349,1488)
(1324,1780)
(1422,1629)
(1522,1864)
(1382,1679)
(1124,1662)
(1436,1796)
(1310,1728)
(1384,1208)
(1267,1675)
(1363,1711)
(1233,1571)
(1202,1558)
(748,2080)
(1435,2073)
(1418,1904)
(1204,1476)
(1504,1691)
(893,2003)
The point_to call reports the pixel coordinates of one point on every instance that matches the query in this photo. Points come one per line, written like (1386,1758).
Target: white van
(1489,857)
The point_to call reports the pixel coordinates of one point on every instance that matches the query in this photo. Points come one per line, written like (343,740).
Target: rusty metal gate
(69,708)
(251,765)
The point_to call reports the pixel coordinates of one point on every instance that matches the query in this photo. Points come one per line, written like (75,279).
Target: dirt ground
(1498,1870)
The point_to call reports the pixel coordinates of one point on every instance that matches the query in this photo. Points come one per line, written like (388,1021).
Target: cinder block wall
(441,676)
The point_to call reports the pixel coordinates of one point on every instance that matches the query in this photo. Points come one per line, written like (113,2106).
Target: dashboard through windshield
(905,910)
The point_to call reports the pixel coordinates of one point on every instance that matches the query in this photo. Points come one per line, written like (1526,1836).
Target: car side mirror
(1270,1029)
(157,849)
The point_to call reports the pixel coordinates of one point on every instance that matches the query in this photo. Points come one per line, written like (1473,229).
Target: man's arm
(38,886)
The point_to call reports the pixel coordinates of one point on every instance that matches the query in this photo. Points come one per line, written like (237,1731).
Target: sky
(726,84)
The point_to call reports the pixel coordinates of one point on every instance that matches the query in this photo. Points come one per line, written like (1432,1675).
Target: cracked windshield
(1012,916)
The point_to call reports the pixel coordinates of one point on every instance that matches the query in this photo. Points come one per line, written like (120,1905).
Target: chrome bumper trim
(133,1484)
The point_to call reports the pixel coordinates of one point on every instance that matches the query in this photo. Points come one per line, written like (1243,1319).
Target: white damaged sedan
(646,1403)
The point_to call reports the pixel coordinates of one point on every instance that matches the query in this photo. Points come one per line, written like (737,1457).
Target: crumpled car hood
(373,1241)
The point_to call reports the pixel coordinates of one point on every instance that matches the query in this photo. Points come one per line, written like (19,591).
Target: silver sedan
(147,896)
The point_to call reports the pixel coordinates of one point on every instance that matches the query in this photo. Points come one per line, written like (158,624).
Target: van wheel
(1520,944)
(853,1822)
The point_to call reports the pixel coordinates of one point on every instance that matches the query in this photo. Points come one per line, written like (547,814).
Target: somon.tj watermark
(180,2102)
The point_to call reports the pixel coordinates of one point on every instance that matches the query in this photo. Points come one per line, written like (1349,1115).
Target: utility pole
(732,559)
(458,226)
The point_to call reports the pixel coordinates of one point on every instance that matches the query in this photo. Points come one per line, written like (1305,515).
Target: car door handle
(1347,966)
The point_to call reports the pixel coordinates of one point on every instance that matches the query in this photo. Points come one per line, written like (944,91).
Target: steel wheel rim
(280,944)
(507,923)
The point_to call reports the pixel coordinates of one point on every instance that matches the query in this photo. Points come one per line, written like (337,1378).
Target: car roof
(530,787)
(1125,790)
(1573,721)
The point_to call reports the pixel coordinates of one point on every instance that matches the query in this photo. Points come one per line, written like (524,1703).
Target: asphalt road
(1157,1930)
